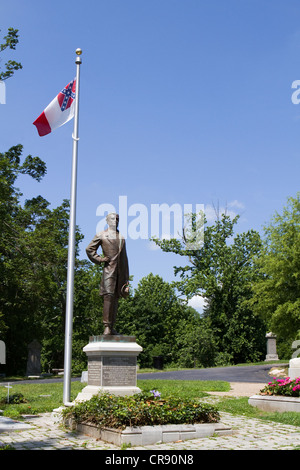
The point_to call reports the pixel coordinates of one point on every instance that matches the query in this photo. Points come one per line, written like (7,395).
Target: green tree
(277,292)
(33,267)
(46,252)
(222,270)
(11,41)
(13,259)
(87,310)
(152,314)
(194,343)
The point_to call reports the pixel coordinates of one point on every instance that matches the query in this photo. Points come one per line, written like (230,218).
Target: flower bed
(286,387)
(279,395)
(104,410)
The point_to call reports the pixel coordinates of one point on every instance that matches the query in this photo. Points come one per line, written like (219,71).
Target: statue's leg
(107,313)
(114,313)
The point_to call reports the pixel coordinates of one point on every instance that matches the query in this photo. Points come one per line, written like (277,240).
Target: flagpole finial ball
(78,51)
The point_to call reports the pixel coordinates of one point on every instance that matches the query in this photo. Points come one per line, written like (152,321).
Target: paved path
(249,434)
(43,433)
(249,374)
(245,374)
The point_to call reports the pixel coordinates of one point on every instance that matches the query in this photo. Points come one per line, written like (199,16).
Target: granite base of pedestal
(272,357)
(112,366)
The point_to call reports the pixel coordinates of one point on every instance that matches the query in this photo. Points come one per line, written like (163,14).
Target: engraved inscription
(94,371)
(119,371)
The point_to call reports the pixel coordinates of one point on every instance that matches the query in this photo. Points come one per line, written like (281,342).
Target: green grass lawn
(240,406)
(184,388)
(40,398)
(44,397)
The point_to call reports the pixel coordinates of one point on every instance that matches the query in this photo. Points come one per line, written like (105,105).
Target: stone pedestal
(112,366)
(271,347)
(294,368)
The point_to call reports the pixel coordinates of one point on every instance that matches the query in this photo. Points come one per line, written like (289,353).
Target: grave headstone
(34,359)
(271,347)
(2,353)
(294,368)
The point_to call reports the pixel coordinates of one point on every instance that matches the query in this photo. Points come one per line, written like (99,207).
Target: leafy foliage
(33,268)
(162,324)
(222,270)
(140,410)
(277,291)
(15,398)
(11,41)
(15,263)
(286,387)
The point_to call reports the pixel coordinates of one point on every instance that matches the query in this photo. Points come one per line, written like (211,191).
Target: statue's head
(112,220)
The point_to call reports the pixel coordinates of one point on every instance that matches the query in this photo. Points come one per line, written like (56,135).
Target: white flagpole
(71,248)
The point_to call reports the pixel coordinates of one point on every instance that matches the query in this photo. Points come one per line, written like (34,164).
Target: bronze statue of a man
(115,277)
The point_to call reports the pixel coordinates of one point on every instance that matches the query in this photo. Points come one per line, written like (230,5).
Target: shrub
(105,410)
(287,387)
(14,399)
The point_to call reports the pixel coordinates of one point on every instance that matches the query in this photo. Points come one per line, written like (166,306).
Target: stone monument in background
(271,347)
(34,359)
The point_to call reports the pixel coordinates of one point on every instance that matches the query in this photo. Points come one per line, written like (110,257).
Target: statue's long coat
(116,271)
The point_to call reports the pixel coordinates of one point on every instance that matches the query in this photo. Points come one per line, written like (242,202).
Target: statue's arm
(92,248)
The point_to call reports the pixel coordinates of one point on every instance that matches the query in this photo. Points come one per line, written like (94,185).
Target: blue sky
(181,102)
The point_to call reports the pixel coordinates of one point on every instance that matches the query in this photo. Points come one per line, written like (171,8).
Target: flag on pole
(58,112)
